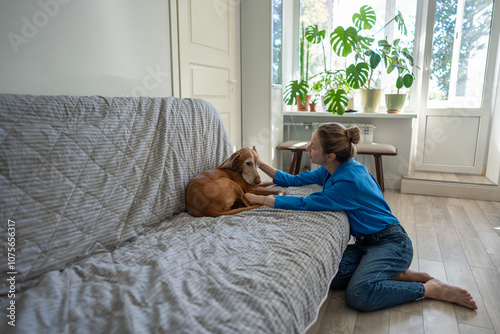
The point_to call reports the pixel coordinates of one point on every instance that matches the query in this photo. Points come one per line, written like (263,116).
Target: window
(328,14)
(276,39)
(317,12)
(459,53)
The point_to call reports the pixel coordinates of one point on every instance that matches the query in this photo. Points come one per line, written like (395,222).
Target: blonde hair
(335,138)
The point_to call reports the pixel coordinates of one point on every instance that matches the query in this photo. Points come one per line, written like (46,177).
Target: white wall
(85,47)
(256,77)
(262,103)
(493,163)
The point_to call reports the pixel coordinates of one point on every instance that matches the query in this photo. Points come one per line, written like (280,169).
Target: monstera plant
(363,56)
(368,54)
(331,85)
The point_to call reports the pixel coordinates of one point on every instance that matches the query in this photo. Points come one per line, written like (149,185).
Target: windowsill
(383,114)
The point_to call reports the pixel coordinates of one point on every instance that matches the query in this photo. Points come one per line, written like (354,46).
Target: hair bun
(353,134)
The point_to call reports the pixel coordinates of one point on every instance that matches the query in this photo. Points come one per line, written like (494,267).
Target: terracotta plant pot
(312,106)
(303,107)
(395,102)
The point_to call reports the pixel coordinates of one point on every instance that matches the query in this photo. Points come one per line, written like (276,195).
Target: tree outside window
(459,52)
(277,37)
(331,13)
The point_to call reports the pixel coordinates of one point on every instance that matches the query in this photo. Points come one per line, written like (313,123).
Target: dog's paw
(281,193)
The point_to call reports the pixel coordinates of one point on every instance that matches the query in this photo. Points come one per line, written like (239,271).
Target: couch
(95,237)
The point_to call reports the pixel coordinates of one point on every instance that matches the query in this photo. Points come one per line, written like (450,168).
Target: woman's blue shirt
(351,189)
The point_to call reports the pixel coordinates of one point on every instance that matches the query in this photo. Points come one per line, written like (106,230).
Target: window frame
(390,11)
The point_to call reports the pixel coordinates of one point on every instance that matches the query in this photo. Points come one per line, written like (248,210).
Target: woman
(375,270)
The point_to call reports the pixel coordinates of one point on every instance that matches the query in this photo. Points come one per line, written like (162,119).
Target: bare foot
(439,290)
(413,276)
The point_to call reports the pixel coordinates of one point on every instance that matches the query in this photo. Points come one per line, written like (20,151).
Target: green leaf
(375,59)
(357,75)
(401,23)
(383,43)
(390,68)
(314,35)
(399,83)
(408,80)
(408,55)
(293,89)
(336,101)
(343,40)
(365,42)
(365,19)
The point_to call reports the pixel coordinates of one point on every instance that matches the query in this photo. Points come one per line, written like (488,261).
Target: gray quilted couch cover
(94,188)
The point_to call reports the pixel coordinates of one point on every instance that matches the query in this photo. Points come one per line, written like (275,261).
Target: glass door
(457,87)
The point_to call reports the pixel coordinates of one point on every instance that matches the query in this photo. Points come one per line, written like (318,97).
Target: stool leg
(380,171)
(292,163)
(297,165)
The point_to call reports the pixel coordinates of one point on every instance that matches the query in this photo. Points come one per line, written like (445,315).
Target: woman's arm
(284,179)
(269,170)
(333,198)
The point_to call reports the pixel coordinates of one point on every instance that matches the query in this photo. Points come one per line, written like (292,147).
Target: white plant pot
(370,100)
(395,102)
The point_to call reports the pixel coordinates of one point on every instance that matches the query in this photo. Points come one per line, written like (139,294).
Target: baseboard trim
(392,182)
(448,189)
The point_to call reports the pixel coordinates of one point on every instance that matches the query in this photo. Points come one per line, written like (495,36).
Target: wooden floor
(455,240)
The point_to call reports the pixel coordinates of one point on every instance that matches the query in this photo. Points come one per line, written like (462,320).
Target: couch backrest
(85,174)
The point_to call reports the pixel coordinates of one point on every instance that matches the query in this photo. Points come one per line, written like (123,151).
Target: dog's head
(246,162)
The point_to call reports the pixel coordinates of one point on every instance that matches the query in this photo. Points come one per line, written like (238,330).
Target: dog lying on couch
(221,191)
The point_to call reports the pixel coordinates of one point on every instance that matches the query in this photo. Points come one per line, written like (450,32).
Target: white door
(458,74)
(209,58)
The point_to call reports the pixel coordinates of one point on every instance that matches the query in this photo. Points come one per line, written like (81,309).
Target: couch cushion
(85,174)
(260,271)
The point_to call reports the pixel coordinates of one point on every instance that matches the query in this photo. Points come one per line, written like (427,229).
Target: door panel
(209,58)
(451,140)
(210,82)
(214,34)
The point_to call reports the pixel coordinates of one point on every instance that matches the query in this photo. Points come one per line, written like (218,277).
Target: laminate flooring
(454,240)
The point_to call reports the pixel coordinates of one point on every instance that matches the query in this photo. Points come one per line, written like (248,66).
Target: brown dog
(221,191)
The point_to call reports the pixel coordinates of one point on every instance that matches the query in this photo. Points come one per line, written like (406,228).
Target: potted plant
(314,102)
(367,56)
(399,58)
(329,86)
(337,93)
(296,92)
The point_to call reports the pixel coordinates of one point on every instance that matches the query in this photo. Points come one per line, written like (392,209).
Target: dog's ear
(231,163)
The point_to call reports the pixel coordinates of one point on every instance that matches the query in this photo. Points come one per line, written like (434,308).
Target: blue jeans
(368,268)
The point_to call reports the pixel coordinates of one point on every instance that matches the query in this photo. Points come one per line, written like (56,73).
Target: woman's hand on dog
(269,170)
(260,200)
(255,149)
(255,199)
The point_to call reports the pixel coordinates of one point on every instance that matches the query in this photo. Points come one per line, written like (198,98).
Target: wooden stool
(297,147)
(377,150)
